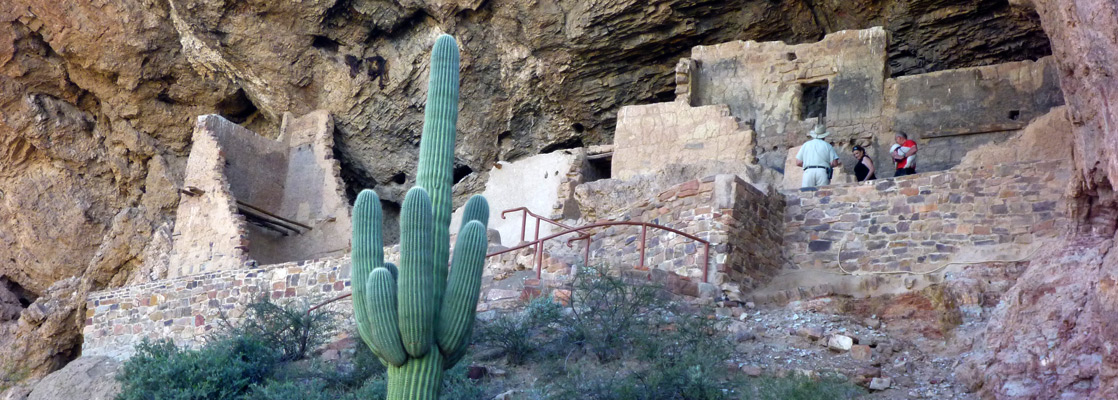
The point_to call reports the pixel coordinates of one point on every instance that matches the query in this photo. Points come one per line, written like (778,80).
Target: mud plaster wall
(914,223)
(535,183)
(761,84)
(209,233)
(649,137)
(313,194)
(952,112)
(296,178)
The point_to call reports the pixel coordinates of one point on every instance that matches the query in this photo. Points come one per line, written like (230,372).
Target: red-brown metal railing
(538,243)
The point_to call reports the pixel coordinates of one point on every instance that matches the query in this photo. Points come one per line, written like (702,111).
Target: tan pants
(814,177)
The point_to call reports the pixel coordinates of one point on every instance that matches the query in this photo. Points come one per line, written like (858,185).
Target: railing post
(644,230)
(586,257)
(706,260)
(523,224)
(539,259)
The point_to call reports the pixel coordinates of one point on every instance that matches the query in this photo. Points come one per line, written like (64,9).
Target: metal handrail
(586,236)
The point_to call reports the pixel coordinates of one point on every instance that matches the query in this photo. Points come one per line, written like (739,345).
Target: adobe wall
(209,233)
(232,171)
(312,193)
(915,223)
(650,137)
(952,112)
(255,166)
(761,85)
(535,183)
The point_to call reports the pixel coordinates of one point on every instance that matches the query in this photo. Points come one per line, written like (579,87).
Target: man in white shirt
(817,157)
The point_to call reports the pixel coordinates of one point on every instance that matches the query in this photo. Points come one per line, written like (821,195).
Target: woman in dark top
(863,169)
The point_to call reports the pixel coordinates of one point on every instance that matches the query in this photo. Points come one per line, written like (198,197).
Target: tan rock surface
(90,378)
(1047,137)
(1055,335)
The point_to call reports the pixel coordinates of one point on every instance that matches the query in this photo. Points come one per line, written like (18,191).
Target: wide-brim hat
(819,132)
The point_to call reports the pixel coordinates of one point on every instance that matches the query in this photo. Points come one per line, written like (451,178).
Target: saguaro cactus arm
(418,308)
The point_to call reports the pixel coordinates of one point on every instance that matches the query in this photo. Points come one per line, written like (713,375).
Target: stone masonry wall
(186,308)
(762,83)
(209,233)
(743,225)
(649,137)
(952,112)
(914,223)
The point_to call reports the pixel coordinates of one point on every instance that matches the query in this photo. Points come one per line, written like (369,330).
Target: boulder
(90,378)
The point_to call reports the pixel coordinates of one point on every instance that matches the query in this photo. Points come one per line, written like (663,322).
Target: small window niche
(597,167)
(813,100)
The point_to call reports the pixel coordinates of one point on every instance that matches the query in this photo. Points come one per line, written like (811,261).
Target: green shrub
(288,328)
(457,386)
(221,370)
(520,334)
(238,360)
(802,388)
(665,351)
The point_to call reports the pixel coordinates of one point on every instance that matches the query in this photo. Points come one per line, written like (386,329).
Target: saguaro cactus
(416,319)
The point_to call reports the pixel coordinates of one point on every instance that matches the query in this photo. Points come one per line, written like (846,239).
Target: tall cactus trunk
(416,319)
(418,379)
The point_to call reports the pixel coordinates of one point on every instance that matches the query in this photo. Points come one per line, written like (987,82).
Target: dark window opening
(791,56)
(399,178)
(461,171)
(597,167)
(1014,114)
(813,100)
(237,107)
(578,127)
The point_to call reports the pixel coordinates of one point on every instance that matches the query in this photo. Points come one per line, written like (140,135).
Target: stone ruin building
(269,217)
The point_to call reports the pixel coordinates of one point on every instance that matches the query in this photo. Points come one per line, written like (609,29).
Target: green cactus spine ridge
(436,147)
(415,318)
(460,301)
(380,307)
(416,298)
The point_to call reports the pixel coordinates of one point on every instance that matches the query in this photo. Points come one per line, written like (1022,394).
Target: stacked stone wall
(650,137)
(186,309)
(742,224)
(763,84)
(917,222)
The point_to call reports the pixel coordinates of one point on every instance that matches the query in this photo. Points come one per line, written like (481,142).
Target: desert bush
(288,328)
(520,334)
(802,388)
(220,370)
(236,361)
(457,386)
(644,346)
(609,315)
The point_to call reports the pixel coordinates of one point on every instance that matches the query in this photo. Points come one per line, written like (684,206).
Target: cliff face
(1056,332)
(97,98)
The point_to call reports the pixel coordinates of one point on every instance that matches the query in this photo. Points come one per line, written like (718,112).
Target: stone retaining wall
(186,308)
(742,224)
(917,222)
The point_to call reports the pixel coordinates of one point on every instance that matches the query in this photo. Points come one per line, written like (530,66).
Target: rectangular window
(813,100)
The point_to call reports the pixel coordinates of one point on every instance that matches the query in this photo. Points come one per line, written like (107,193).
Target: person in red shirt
(904,154)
